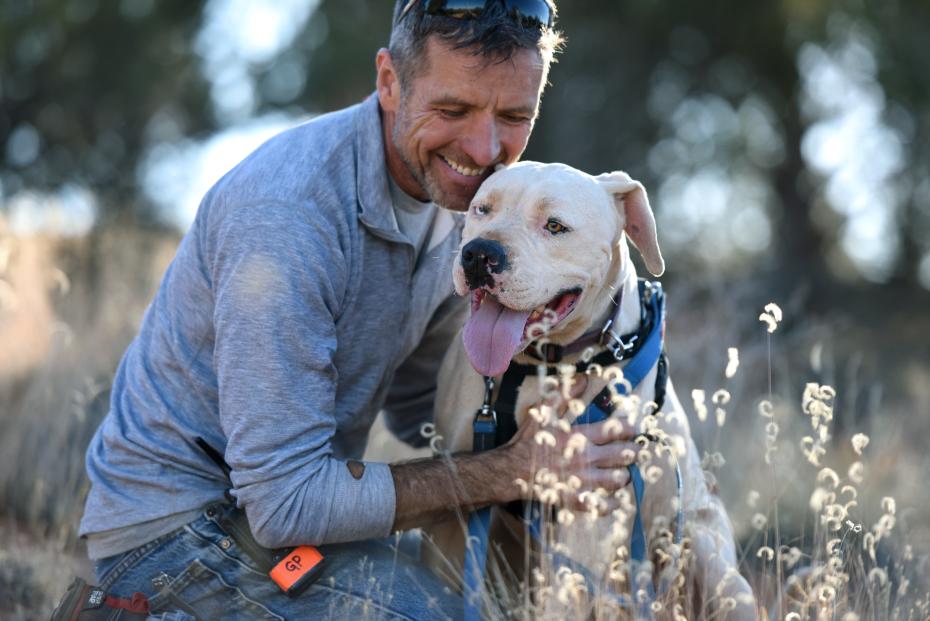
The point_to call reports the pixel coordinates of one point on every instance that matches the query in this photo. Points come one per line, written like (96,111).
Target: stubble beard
(423,177)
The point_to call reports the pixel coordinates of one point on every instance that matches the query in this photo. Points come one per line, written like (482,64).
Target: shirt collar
(374,197)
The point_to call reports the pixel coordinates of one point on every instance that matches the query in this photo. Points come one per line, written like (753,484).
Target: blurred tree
(642,75)
(670,91)
(713,105)
(85,85)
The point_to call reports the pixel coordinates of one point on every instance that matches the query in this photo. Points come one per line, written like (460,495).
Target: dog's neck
(627,318)
(625,290)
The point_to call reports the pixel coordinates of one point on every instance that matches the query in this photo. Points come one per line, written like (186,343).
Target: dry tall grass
(68,308)
(826,489)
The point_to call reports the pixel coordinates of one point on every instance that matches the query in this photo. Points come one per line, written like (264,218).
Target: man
(313,290)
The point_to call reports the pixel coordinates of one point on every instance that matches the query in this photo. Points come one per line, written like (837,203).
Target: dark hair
(493,34)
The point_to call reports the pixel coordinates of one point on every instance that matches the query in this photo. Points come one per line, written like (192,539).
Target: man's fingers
(605,432)
(610,482)
(612,479)
(614,455)
(579,383)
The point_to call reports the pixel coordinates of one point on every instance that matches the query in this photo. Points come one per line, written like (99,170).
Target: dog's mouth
(495,333)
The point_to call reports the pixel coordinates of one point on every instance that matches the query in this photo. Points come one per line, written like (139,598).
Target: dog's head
(543,244)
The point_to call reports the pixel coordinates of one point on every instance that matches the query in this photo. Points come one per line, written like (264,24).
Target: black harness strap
(506,402)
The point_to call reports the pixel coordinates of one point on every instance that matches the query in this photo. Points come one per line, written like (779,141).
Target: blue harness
(648,354)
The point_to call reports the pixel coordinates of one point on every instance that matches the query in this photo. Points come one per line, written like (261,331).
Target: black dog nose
(481,258)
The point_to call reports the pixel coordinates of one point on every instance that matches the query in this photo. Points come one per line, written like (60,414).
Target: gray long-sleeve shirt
(294,310)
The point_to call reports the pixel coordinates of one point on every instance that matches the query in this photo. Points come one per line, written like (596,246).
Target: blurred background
(785,145)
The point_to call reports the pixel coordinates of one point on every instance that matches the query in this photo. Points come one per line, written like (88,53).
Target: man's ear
(387,82)
(640,225)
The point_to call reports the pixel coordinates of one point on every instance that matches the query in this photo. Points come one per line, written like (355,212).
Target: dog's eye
(555,227)
(482,210)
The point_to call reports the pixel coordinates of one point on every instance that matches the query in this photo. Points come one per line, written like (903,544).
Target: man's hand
(583,459)
(586,458)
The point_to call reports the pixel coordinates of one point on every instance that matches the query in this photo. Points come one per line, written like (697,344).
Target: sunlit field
(819,456)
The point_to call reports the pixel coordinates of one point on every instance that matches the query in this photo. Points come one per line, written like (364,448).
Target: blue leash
(485,427)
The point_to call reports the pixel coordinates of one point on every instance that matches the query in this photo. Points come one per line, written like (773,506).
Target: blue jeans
(199,570)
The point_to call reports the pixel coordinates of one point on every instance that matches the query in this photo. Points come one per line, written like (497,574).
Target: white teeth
(468,172)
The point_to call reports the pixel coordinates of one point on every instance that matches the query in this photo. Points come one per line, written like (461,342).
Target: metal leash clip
(615,343)
(485,425)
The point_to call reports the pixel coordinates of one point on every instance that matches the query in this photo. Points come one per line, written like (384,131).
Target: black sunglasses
(536,12)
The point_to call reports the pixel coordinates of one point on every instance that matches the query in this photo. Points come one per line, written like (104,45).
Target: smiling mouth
(494,333)
(463,170)
(542,318)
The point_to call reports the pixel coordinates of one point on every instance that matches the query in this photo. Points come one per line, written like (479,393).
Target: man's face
(447,129)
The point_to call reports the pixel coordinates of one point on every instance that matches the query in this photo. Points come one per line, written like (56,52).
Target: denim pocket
(202,592)
(111,569)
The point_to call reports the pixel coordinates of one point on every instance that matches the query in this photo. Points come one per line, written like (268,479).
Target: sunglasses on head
(537,12)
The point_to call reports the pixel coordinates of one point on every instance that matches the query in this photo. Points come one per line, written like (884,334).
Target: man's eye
(451,114)
(555,227)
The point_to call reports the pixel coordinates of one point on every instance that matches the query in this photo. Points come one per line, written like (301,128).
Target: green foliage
(83,86)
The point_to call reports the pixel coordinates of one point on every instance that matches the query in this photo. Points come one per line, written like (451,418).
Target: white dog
(545,243)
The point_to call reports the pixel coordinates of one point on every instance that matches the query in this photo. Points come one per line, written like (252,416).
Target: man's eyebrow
(451,100)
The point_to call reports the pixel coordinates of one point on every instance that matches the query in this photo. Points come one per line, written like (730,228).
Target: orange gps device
(297,569)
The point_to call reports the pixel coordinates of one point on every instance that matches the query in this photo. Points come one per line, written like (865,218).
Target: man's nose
(482,142)
(481,258)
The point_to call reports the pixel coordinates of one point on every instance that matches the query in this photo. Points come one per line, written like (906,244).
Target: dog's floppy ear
(640,225)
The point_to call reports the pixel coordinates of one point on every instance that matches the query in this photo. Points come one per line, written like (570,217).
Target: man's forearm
(427,490)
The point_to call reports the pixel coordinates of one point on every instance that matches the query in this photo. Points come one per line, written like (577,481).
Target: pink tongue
(493,335)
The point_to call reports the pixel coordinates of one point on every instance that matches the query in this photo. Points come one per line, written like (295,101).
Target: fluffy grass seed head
(856,472)
(774,310)
(544,437)
(813,451)
(820,498)
(826,594)
(769,321)
(790,556)
(700,407)
(771,316)
(732,362)
(877,575)
(828,474)
(576,444)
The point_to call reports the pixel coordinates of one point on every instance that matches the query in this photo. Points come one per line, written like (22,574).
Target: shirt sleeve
(411,399)
(279,275)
